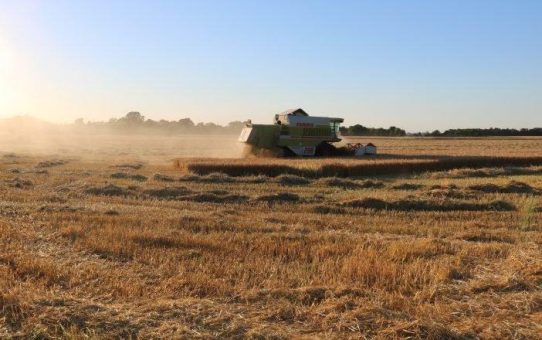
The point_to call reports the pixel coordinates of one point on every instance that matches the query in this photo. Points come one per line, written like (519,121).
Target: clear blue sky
(420,65)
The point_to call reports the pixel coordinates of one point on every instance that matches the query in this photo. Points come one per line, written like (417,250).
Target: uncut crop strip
(362,170)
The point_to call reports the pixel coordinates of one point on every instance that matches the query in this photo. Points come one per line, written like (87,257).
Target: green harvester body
(295,132)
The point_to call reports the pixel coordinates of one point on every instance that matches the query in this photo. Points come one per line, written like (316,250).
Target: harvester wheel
(325,150)
(286,152)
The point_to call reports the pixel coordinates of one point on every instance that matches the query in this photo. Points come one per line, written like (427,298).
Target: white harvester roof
(295,112)
(299,116)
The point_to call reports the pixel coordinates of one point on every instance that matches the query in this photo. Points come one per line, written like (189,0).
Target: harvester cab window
(335,129)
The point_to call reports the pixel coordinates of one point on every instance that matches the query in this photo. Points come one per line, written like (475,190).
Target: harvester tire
(286,152)
(325,150)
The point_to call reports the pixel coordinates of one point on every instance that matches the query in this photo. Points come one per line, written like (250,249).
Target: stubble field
(123,238)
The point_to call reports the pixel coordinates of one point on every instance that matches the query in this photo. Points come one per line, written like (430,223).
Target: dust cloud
(29,137)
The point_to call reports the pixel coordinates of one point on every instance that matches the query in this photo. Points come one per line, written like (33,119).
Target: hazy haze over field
(29,136)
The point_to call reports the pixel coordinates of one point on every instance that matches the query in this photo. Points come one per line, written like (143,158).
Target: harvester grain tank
(294,132)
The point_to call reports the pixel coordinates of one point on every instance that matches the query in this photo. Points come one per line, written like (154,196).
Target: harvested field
(287,251)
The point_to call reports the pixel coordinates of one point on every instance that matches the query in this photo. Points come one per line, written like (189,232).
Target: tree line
(491,132)
(360,130)
(136,122)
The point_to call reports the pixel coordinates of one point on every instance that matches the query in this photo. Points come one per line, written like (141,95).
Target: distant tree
(491,132)
(186,123)
(395,131)
(134,118)
(360,130)
(236,125)
(357,130)
(150,123)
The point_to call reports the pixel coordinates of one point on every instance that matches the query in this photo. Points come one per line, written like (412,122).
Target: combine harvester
(295,133)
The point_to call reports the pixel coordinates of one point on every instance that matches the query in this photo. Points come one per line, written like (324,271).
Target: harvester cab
(294,132)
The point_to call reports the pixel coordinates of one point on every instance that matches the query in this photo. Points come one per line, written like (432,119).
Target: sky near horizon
(419,65)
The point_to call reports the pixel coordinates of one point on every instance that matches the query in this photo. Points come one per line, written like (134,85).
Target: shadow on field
(424,205)
(283,197)
(348,184)
(179,193)
(399,167)
(393,156)
(514,187)
(110,190)
(491,172)
(124,175)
